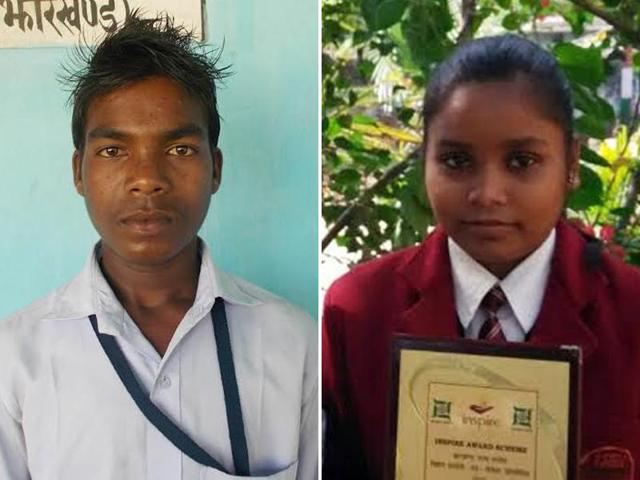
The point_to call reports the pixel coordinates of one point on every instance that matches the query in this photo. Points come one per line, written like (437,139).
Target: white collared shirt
(524,288)
(65,415)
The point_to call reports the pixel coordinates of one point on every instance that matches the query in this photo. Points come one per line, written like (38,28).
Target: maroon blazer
(593,302)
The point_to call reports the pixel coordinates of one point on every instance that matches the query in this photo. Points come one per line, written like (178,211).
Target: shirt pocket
(288,473)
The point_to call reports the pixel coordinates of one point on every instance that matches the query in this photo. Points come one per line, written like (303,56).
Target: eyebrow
(445,142)
(107,132)
(525,142)
(510,143)
(186,130)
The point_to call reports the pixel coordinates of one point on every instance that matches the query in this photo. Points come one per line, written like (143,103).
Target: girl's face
(497,171)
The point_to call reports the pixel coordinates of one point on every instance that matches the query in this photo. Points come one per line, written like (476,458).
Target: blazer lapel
(568,294)
(428,272)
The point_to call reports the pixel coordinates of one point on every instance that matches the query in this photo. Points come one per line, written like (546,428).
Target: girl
(500,158)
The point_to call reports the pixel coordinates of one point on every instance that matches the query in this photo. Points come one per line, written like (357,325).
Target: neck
(501,270)
(170,283)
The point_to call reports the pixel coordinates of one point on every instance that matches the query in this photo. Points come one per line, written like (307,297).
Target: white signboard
(47,23)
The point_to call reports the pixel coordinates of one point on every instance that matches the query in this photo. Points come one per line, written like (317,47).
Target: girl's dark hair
(503,58)
(138,49)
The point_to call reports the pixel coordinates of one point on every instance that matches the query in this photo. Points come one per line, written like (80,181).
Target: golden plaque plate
(476,411)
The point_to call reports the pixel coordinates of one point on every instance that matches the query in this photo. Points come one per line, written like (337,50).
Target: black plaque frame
(566,354)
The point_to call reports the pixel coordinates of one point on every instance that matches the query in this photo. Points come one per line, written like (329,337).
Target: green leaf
(331,161)
(590,191)
(636,60)
(589,156)
(405,114)
(347,177)
(511,21)
(387,213)
(588,102)
(417,215)
(576,18)
(364,120)
(333,128)
(353,141)
(345,121)
(623,211)
(506,4)
(331,212)
(591,126)
(634,258)
(406,235)
(381,14)
(480,16)
(582,65)
(360,36)
(366,68)
(331,31)
(426,30)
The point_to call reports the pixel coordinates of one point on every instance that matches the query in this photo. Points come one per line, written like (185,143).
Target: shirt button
(165,381)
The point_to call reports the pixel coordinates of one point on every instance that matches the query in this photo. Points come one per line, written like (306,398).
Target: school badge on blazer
(611,463)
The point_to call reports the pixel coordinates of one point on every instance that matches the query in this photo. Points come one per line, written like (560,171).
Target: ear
(76,161)
(573,164)
(216,157)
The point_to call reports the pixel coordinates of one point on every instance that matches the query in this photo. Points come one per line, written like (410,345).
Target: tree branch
(623,24)
(345,217)
(468,16)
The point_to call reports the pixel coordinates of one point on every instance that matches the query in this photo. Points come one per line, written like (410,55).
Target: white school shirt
(65,415)
(524,288)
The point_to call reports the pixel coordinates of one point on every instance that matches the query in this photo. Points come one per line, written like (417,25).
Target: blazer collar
(428,273)
(569,291)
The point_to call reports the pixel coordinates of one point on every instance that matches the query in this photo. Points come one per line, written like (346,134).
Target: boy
(152,363)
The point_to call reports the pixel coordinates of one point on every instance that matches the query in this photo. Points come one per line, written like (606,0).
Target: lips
(146,222)
(489,223)
(490,229)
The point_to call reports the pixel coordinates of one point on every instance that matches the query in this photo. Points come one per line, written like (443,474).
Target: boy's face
(497,171)
(147,171)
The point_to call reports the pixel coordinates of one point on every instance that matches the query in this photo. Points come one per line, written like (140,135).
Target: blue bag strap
(230,387)
(169,429)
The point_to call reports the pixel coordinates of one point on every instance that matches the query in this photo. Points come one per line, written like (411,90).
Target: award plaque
(470,410)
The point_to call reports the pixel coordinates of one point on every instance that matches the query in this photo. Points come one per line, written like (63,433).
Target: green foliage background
(373,193)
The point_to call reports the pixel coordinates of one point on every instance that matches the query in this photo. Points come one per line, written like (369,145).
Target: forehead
(487,113)
(145,106)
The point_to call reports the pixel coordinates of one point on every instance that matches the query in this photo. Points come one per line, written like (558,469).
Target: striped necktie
(491,303)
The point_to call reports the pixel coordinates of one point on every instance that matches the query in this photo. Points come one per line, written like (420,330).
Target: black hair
(503,57)
(138,49)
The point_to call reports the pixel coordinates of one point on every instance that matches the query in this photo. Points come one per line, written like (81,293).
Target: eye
(182,151)
(455,160)
(521,160)
(110,152)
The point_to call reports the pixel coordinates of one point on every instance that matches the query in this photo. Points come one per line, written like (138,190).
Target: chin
(148,253)
(488,254)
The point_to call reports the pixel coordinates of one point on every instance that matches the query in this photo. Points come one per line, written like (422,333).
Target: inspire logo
(479,417)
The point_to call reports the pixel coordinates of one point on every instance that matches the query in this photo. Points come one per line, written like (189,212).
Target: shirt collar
(524,286)
(89,293)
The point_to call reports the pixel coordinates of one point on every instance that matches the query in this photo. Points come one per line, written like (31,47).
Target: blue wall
(263,224)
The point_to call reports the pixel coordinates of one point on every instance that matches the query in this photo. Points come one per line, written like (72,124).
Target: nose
(489,188)
(146,175)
